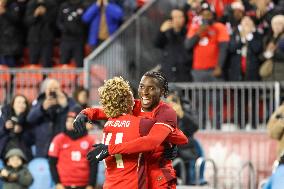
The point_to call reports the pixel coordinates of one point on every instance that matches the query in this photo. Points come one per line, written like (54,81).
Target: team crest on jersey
(84,145)
(203,41)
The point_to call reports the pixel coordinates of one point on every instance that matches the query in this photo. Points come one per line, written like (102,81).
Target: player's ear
(162,92)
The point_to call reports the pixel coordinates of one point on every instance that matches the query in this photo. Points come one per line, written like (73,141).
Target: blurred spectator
(233,16)
(243,64)
(276,180)
(219,6)
(176,63)
(103,18)
(245,47)
(81,96)
(73,31)
(69,165)
(209,43)
(275,128)
(14,127)
(39,18)
(15,174)
(192,9)
(262,12)
(11,38)
(272,52)
(48,115)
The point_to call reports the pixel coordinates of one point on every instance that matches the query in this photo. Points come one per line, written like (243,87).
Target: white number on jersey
(118,140)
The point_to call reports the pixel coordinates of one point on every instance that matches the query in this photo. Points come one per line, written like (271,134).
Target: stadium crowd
(201,42)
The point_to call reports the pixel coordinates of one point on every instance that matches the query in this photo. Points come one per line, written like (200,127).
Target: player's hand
(171,153)
(99,153)
(166,25)
(79,123)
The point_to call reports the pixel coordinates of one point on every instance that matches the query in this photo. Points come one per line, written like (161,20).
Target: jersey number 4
(118,139)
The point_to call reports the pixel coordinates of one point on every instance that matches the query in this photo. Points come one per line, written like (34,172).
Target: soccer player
(153,86)
(117,101)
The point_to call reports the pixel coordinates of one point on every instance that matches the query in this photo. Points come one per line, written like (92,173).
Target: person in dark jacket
(14,126)
(176,63)
(73,31)
(16,174)
(39,18)
(11,38)
(245,47)
(104,18)
(48,115)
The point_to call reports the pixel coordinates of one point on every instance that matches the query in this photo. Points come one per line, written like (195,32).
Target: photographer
(13,126)
(48,115)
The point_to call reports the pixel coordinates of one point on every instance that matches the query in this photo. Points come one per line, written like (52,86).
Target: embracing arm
(178,137)
(147,143)
(94,114)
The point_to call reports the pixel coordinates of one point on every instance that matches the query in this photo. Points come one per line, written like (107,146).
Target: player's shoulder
(90,137)
(164,107)
(60,136)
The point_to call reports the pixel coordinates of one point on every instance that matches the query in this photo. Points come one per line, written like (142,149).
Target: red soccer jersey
(124,171)
(73,166)
(159,170)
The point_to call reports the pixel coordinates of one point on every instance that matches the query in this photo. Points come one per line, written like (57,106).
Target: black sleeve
(191,42)
(52,166)
(93,173)
(223,47)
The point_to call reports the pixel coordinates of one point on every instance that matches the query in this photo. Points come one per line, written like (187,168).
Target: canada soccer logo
(84,145)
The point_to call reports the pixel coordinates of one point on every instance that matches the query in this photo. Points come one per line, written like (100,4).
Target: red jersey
(161,171)
(206,51)
(73,166)
(125,171)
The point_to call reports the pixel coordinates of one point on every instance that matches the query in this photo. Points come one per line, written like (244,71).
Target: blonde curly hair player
(116,97)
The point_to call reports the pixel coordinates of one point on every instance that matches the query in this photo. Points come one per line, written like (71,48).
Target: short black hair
(162,79)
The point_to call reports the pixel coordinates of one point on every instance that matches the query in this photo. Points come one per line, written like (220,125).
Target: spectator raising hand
(166,25)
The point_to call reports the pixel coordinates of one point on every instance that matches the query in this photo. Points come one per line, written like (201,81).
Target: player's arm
(88,115)
(164,115)
(166,121)
(99,114)
(146,143)
(177,137)
(94,114)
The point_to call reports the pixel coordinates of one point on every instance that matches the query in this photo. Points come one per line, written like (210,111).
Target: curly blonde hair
(116,97)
